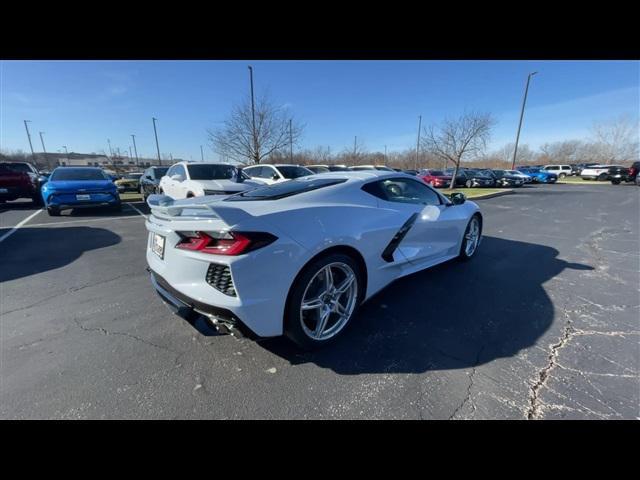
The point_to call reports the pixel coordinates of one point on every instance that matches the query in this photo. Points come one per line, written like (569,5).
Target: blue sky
(80,104)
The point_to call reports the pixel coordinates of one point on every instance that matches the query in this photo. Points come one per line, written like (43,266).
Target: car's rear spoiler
(165,207)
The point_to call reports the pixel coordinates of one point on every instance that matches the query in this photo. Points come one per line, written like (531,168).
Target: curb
(492,195)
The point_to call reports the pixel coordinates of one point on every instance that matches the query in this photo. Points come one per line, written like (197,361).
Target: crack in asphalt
(67,292)
(104,331)
(534,404)
(467,398)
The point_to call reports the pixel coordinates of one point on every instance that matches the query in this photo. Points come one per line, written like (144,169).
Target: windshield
(500,172)
(284,189)
(212,172)
(437,173)
(294,172)
(161,171)
(15,167)
(77,174)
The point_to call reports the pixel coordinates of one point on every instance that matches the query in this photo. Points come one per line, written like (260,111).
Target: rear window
(14,168)
(77,174)
(284,189)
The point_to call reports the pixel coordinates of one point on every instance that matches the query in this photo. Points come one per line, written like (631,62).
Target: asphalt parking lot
(543,323)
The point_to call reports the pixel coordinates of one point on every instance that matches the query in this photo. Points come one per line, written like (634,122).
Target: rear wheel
(562,175)
(471,238)
(322,300)
(469,184)
(602,177)
(615,181)
(37,199)
(117,207)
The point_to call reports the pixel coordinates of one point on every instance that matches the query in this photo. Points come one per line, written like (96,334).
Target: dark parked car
(618,175)
(503,178)
(471,178)
(632,174)
(150,180)
(411,172)
(20,180)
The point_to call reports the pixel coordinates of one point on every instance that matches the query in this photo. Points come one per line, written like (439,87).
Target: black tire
(117,207)
(469,184)
(53,211)
(562,175)
(292,321)
(190,195)
(602,177)
(463,247)
(615,181)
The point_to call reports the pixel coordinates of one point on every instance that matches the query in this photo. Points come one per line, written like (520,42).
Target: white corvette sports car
(298,257)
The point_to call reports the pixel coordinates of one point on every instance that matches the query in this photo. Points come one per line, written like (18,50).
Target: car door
(431,229)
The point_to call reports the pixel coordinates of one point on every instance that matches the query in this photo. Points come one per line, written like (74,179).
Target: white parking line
(14,229)
(104,219)
(137,210)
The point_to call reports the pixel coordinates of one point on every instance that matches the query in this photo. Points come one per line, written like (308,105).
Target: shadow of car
(456,315)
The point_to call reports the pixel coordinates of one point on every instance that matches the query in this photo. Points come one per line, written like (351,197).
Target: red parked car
(435,178)
(20,180)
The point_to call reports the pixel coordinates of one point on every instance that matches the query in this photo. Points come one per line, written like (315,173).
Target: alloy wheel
(328,301)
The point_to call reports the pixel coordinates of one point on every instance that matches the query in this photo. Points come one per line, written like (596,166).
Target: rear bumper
(67,201)
(16,192)
(184,306)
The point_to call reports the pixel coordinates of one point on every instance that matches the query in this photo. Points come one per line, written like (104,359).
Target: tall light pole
(524,101)
(201,153)
(290,142)
(156,134)
(131,154)
(355,143)
(44,150)
(418,144)
(110,151)
(135,149)
(256,158)
(33,157)
(385,155)
(66,152)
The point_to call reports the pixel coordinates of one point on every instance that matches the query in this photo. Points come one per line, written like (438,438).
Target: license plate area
(83,197)
(4,190)
(157,245)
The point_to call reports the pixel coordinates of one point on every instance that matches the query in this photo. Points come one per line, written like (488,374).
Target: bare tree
(618,139)
(236,140)
(458,139)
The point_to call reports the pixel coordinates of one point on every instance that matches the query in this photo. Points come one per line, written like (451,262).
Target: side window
(253,171)
(180,171)
(403,190)
(553,167)
(171,171)
(268,172)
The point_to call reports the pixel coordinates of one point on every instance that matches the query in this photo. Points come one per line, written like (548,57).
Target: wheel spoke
(322,323)
(346,283)
(328,278)
(312,304)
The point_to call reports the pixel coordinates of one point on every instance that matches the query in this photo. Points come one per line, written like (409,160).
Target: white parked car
(298,257)
(271,174)
(196,179)
(560,170)
(596,172)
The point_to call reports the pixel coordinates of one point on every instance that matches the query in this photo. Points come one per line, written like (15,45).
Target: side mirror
(275,176)
(177,177)
(458,198)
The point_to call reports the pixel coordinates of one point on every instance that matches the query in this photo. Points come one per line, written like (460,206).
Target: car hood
(228,185)
(75,185)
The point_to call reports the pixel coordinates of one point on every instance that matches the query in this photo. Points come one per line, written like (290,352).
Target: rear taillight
(224,243)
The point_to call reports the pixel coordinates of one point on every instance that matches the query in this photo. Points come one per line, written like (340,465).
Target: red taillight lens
(224,243)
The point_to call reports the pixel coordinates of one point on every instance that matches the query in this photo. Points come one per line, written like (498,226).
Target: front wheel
(322,300)
(615,181)
(471,238)
(562,175)
(469,184)
(602,177)
(53,211)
